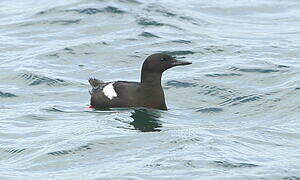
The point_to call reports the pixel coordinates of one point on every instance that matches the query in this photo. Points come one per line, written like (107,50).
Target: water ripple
(291,178)
(179,84)
(210,110)
(223,75)
(148,35)
(213,90)
(254,70)
(233,114)
(182,41)
(7,94)
(71,151)
(227,164)
(33,80)
(15,151)
(148,22)
(91,11)
(241,99)
(178,53)
(65,22)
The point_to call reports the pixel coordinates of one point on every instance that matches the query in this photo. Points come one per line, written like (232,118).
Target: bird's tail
(95,82)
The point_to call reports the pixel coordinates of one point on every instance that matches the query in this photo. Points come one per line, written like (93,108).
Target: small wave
(190,163)
(210,110)
(15,151)
(65,22)
(213,49)
(71,151)
(47,22)
(254,70)
(191,20)
(69,50)
(91,11)
(53,109)
(241,99)
(60,153)
(223,75)
(35,117)
(178,53)
(230,97)
(130,1)
(165,13)
(154,165)
(161,10)
(45,12)
(197,21)
(34,80)
(88,11)
(227,164)
(54,55)
(183,140)
(291,178)
(114,10)
(148,35)
(179,84)
(282,66)
(148,22)
(182,41)
(212,90)
(66,109)
(186,18)
(6,94)
(258,70)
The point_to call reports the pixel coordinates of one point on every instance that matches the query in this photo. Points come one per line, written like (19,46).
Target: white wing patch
(109,91)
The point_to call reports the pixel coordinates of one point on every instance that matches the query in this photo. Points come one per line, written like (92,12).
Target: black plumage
(147,93)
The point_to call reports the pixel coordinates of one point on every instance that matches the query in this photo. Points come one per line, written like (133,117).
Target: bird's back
(123,94)
(115,94)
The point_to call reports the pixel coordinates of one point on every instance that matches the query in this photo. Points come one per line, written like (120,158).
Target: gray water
(233,114)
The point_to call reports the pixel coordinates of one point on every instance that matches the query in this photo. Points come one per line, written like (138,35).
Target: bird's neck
(151,85)
(152,91)
(151,79)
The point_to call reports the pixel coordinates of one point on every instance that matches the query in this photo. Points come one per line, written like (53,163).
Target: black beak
(180,62)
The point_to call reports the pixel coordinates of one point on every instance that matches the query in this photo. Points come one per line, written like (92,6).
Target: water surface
(233,113)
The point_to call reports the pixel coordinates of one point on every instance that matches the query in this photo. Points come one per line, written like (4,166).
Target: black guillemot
(147,93)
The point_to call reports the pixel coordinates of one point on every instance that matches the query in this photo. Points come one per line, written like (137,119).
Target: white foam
(109,91)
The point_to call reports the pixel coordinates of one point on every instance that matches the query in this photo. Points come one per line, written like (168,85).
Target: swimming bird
(147,93)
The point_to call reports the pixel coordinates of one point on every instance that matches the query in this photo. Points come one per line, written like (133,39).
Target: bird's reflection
(146,120)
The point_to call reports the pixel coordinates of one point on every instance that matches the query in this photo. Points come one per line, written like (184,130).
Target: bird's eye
(163,59)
